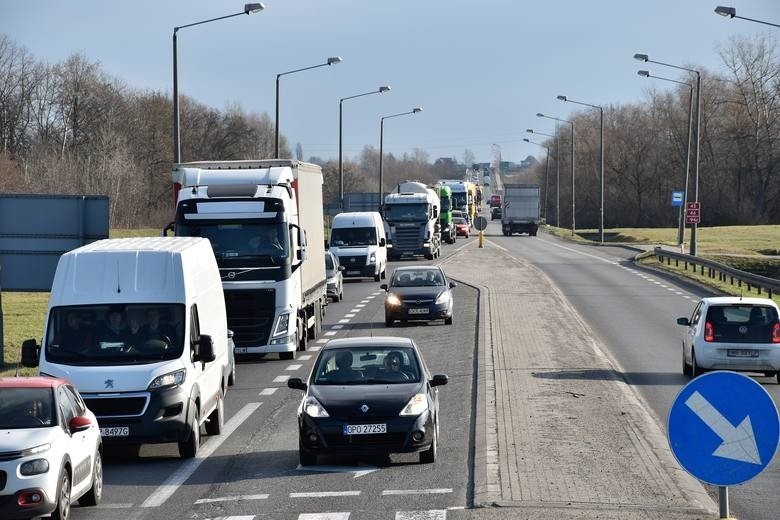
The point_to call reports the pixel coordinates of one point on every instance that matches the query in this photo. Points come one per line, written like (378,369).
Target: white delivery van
(358,239)
(138,326)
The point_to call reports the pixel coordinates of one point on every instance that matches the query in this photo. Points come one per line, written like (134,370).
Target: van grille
(250,315)
(349,261)
(125,406)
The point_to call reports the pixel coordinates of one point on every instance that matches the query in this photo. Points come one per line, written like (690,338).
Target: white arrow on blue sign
(723,428)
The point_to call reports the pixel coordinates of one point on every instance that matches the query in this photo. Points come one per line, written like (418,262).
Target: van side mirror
(383,286)
(439,380)
(342,268)
(167,228)
(453,285)
(382,242)
(296,384)
(30,353)
(683,321)
(205,349)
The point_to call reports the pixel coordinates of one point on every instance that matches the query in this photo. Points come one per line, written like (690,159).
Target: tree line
(71,128)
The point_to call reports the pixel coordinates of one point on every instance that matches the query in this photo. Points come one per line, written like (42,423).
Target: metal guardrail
(723,272)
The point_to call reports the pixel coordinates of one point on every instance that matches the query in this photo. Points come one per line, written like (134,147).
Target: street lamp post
(601,161)
(732,13)
(644,57)
(546,172)
(331,61)
(248,9)
(381,144)
(557,175)
(380,90)
(680,219)
(573,224)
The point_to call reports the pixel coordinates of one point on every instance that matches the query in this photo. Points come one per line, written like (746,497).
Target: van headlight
(170,379)
(444,297)
(314,408)
(34,467)
(372,258)
(392,300)
(416,405)
(282,324)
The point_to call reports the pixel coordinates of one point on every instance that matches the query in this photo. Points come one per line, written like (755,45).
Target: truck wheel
(189,447)
(311,332)
(287,356)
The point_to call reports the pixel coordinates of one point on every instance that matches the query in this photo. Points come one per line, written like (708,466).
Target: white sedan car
(50,449)
(732,333)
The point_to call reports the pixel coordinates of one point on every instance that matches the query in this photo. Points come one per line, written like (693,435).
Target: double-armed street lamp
(646,59)
(546,170)
(248,9)
(732,13)
(680,219)
(601,160)
(573,222)
(331,61)
(381,143)
(380,90)
(557,175)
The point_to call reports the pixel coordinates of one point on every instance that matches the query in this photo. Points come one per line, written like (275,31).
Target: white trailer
(266,226)
(521,209)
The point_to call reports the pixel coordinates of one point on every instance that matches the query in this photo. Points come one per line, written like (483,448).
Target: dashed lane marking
(433,514)
(261,496)
(360,305)
(322,341)
(304,357)
(331,333)
(365,301)
(435,491)
(187,468)
(234,517)
(323,516)
(351,314)
(317,349)
(114,506)
(325,494)
(337,327)
(294,366)
(281,379)
(268,391)
(344,321)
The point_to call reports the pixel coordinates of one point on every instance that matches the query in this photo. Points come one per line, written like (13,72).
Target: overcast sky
(481,69)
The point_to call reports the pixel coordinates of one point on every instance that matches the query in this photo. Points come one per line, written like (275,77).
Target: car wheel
(341,292)
(95,493)
(429,456)
(189,447)
(384,273)
(62,509)
(389,322)
(216,419)
(696,370)
(305,457)
(448,321)
(232,374)
(287,356)
(686,368)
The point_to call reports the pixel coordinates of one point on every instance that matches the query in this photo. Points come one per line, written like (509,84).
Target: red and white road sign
(692,212)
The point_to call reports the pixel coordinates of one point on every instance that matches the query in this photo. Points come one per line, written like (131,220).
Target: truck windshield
(446,204)
(353,236)
(406,212)
(116,334)
(459,199)
(251,244)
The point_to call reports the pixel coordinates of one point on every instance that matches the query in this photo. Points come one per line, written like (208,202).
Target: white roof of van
(168,244)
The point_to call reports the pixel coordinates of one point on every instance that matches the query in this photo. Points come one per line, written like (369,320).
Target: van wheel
(95,493)
(232,375)
(377,277)
(189,448)
(287,356)
(216,419)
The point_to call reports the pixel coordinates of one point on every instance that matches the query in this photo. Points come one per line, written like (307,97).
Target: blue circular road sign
(723,428)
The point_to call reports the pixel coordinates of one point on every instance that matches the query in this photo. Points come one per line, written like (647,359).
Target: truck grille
(125,406)
(250,315)
(408,239)
(349,261)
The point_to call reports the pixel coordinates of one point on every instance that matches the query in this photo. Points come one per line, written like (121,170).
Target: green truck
(445,215)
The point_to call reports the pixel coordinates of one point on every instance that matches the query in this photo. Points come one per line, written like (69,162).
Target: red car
(495,201)
(461,227)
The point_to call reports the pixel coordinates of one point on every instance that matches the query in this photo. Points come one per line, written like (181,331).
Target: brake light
(709,332)
(776,332)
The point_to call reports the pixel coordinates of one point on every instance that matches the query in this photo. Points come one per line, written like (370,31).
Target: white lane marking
(357,471)
(304,357)
(281,379)
(350,315)
(337,327)
(294,366)
(268,391)
(365,301)
(432,514)
(315,348)
(323,516)
(324,494)
(233,517)
(114,506)
(360,305)
(435,491)
(331,333)
(188,467)
(456,508)
(343,321)
(673,290)
(323,341)
(377,293)
(261,496)
(370,298)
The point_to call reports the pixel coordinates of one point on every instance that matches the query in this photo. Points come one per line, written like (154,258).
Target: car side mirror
(453,285)
(683,321)
(382,242)
(230,334)
(205,349)
(296,384)
(30,353)
(79,424)
(342,268)
(439,380)
(383,286)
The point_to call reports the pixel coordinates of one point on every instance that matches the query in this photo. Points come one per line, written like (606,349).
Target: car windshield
(116,334)
(329,263)
(353,236)
(367,366)
(396,212)
(26,408)
(256,244)
(459,220)
(417,278)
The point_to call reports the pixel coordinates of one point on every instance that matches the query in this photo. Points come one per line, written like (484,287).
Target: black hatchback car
(418,293)
(366,396)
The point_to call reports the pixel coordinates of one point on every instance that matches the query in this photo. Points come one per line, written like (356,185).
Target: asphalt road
(633,311)
(252,471)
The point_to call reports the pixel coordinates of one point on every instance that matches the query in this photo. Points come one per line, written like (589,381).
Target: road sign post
(481,224)
(723,429)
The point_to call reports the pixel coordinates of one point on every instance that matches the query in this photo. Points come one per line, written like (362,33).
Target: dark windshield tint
(396,212)
(417,278)
(367,366)
(115,334)
(353,236)
(261,244)
(26,408)
(742,323)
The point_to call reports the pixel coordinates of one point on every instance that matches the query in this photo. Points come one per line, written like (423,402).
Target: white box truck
(521,209)
(411,211)
(138,326)
(265,222)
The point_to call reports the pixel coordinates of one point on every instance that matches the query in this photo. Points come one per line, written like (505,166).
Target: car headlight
(313,408)
(372,258)
(170,379)
(34,450)
(444,297)
(416,405)
(282,324)
(392,300)
(34,467)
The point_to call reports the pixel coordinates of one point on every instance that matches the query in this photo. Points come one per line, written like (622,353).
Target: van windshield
(353,236)
(116,334)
